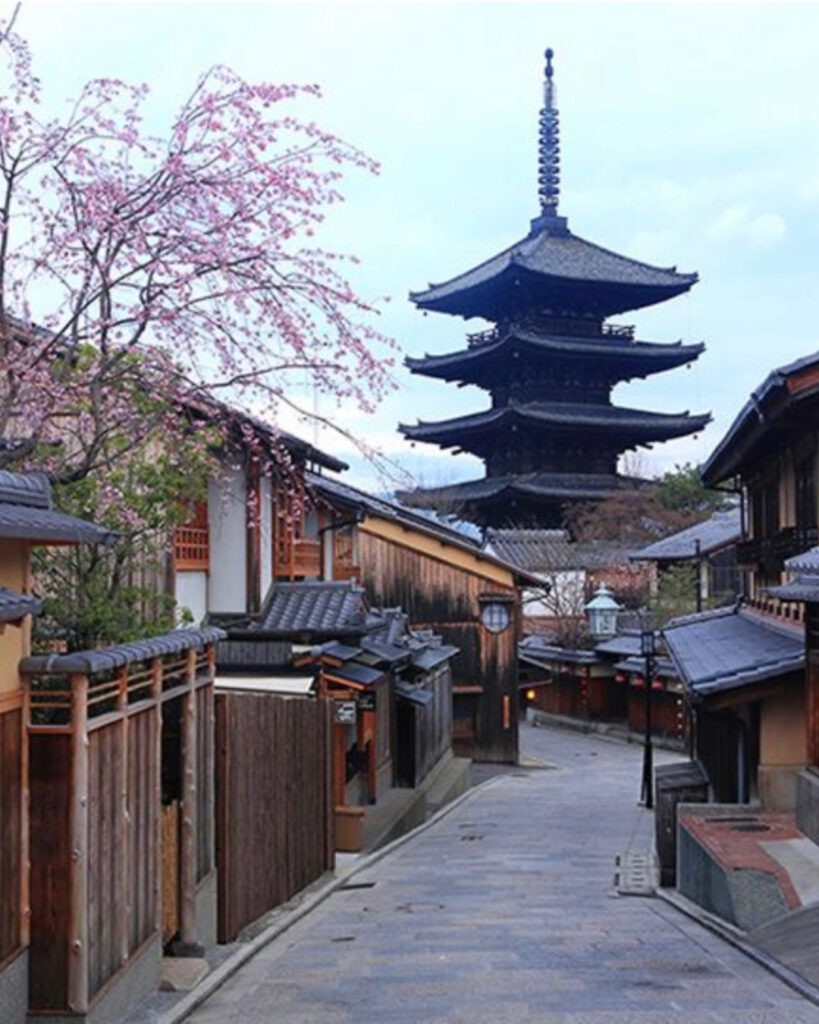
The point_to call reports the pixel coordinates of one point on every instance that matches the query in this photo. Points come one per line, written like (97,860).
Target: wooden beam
(78,924)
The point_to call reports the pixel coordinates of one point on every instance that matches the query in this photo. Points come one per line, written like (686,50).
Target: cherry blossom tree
(150,283)
(186,265)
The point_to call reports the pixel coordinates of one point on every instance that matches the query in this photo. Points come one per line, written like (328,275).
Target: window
(806,501)
(495,617)
(191,541)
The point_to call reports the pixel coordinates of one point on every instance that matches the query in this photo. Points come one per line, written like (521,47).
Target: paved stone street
(504,911)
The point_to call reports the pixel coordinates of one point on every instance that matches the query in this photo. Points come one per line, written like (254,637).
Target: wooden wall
(274,820)
(446,598)
(11,830)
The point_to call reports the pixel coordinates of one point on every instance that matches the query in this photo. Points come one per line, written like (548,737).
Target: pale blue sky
(690,136)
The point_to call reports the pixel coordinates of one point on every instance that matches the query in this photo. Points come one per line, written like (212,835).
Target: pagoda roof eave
(635,423)
(554,262)
(637,358)
(555,486)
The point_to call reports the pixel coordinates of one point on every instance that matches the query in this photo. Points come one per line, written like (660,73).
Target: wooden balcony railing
(346,571)
(306,557)
(768,554)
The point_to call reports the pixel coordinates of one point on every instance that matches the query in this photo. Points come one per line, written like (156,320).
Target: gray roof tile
(337,608)
(636,422)
(561,257)
(14,605)
(730,648)
(26,513)
(545,551)
(714,533)
(89,662)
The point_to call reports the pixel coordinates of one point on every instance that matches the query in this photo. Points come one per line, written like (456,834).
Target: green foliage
(142,489)
(676,592)
(681,490)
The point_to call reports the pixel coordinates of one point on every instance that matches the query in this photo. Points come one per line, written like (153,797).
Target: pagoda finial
(549,149)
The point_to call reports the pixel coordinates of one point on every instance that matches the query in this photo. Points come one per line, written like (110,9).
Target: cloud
(740,224)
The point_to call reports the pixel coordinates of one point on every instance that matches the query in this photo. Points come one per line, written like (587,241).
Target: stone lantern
(602,612)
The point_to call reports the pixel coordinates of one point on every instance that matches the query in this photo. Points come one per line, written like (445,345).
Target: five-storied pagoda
(552,435)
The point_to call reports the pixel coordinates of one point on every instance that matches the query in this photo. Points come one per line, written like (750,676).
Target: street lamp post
(648,650)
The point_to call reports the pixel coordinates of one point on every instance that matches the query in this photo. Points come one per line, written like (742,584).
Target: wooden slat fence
(274,802)
(95,766)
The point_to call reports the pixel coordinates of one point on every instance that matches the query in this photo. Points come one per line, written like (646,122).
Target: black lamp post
(648,649)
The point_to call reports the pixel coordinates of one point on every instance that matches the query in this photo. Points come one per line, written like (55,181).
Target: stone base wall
(807,803)
(206,910)
(14,990)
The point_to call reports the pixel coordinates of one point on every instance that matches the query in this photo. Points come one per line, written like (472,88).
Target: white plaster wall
(192,593)
(267,534)
(566,595)
(227,517)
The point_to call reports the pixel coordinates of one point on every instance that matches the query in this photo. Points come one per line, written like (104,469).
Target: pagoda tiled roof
(562,487)
(651,426)
(551,263)
(626,358)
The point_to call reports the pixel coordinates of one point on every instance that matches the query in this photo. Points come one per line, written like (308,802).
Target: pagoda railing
(560,326)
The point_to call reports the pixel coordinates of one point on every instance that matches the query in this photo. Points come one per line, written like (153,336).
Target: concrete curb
(736,938)
(231,965)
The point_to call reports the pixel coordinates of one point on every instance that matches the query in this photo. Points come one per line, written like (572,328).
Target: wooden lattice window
(192,541)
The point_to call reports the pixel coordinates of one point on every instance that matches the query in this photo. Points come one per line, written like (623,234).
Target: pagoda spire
(549,144)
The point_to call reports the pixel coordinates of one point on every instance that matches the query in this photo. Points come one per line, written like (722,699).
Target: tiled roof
(552,550)
(556,258)
(427,522)
(538,651)
(632,358)
(637,423)
(336,608)
(88,662)
(758,418)
(26,513)
(714,533)
(560,486)
(663,667)
(625,644)
(14,605)
(806,585)
(730,648)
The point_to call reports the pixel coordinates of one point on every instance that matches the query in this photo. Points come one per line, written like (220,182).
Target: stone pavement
(504,911)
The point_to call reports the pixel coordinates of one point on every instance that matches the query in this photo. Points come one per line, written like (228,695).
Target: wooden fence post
(187,873)
(25,810)
(123,833)
(156,768)
(78,929)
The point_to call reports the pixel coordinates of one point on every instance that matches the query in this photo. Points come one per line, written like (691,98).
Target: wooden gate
(274,821)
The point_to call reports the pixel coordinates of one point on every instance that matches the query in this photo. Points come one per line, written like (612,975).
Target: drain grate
(636,873)
(349,886)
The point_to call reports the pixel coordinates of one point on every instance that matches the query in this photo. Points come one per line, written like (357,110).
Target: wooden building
(744,668)
(444,582)
(256,525)
(26,519)
(551,435)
